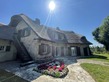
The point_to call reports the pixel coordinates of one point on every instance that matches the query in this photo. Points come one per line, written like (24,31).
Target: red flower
(60,69)
(54,67)
(62,66)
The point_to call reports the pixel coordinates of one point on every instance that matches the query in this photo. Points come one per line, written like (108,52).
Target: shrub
(57,74)
(45,72)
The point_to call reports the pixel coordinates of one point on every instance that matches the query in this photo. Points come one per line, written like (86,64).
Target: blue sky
(80,16)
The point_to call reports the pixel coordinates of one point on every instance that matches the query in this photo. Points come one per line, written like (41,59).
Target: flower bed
(54,68)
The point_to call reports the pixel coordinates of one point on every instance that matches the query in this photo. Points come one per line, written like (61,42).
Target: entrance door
(85,51)
(73,51)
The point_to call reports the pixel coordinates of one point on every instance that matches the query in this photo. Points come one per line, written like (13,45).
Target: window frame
(8,48)
(5,49)
(44,49)
(25,32)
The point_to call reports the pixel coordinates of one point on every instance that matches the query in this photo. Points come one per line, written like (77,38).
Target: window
(62,51)
(44,49)
(57,36)
(61,36)
(5,48)
(8,48)
(2,48)
(25,32)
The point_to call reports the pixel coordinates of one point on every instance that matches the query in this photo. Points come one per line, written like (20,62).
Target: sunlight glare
(52,5)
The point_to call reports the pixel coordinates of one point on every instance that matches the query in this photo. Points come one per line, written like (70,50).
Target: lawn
(9,77)
(98,72)
(99,57)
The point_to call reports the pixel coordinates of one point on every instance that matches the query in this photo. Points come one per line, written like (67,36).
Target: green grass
(98,72)
(9,77)
(99,57)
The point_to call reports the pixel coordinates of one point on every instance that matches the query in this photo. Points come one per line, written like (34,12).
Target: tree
(101,34)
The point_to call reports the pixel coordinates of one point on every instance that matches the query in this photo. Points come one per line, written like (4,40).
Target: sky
(80,16)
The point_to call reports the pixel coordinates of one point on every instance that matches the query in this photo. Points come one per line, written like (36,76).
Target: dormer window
(59,36)
(56,36)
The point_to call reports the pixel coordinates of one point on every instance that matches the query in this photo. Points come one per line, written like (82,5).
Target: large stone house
(40,43)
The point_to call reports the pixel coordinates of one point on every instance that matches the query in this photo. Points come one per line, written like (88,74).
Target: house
(7,48)
(41,43)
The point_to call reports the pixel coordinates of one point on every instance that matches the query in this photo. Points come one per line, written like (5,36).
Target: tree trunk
(107,47)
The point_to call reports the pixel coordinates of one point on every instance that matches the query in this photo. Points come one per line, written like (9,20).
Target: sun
(52,5)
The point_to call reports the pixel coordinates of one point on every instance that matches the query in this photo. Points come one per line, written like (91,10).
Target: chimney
(37,21)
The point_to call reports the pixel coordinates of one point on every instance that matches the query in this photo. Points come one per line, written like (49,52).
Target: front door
(73,51)
(85,51)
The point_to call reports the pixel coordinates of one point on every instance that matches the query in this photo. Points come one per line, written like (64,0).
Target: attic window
(26,32)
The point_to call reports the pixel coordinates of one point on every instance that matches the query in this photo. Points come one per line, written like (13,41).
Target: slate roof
(6,32)
(43,31)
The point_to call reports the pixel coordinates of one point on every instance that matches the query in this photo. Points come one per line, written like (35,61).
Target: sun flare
(52,5)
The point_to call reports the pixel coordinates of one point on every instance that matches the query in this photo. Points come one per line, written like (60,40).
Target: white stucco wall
(7,55)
